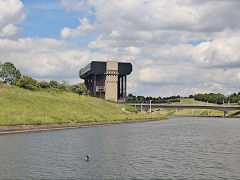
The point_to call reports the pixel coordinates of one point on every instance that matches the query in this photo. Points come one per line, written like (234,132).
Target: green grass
(195,112)
(21,106)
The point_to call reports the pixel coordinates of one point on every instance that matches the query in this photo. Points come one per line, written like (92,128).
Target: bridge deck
(189,106)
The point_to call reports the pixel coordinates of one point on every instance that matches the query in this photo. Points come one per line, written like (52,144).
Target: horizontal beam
(185,106)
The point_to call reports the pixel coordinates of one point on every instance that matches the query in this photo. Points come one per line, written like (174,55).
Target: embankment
(48,127)
(60,109)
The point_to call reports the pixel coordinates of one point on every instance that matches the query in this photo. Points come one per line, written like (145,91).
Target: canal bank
(72,125)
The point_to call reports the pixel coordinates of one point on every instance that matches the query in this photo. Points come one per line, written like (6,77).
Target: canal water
(177,148)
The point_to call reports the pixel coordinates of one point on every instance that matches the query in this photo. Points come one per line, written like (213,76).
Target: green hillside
(21,106)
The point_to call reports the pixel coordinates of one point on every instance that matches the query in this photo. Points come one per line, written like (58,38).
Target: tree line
(210,97)
(9,74)
(142,99)
(217,98)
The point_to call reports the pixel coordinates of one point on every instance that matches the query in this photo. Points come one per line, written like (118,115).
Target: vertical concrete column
(91,84)
(88,83)
(94,85)
(122,89)
(119,87)
(111,81)
(125,87)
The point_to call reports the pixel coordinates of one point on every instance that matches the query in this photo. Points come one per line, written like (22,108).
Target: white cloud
(46,58)
(79,31)
(158,15)
(221,52)
(11,13)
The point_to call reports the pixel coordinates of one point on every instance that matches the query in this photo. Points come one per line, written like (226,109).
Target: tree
(9,74)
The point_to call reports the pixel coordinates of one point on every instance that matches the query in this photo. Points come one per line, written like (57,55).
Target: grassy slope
(196,112)
(21,106)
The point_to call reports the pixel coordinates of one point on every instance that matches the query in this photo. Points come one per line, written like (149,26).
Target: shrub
(191,96)
(130,108)
(30,87)
(80,89)
(27,83)
(54,84)
(44,84)
(62,86)
(238,102)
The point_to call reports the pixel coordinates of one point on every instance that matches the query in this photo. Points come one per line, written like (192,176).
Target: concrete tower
(107,80)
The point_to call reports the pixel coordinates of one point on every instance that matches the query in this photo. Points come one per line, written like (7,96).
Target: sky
(177,47)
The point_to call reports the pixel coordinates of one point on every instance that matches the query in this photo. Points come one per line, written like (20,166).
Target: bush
(54,84)
(44,84)
(27,83)
(63,86)
(30,87)
(238,102)
(80,89)
(191,96)
(130,108)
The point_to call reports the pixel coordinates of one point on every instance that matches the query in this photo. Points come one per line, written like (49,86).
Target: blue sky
(46,19)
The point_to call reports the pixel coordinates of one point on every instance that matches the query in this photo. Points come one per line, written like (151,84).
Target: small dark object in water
(86,158)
